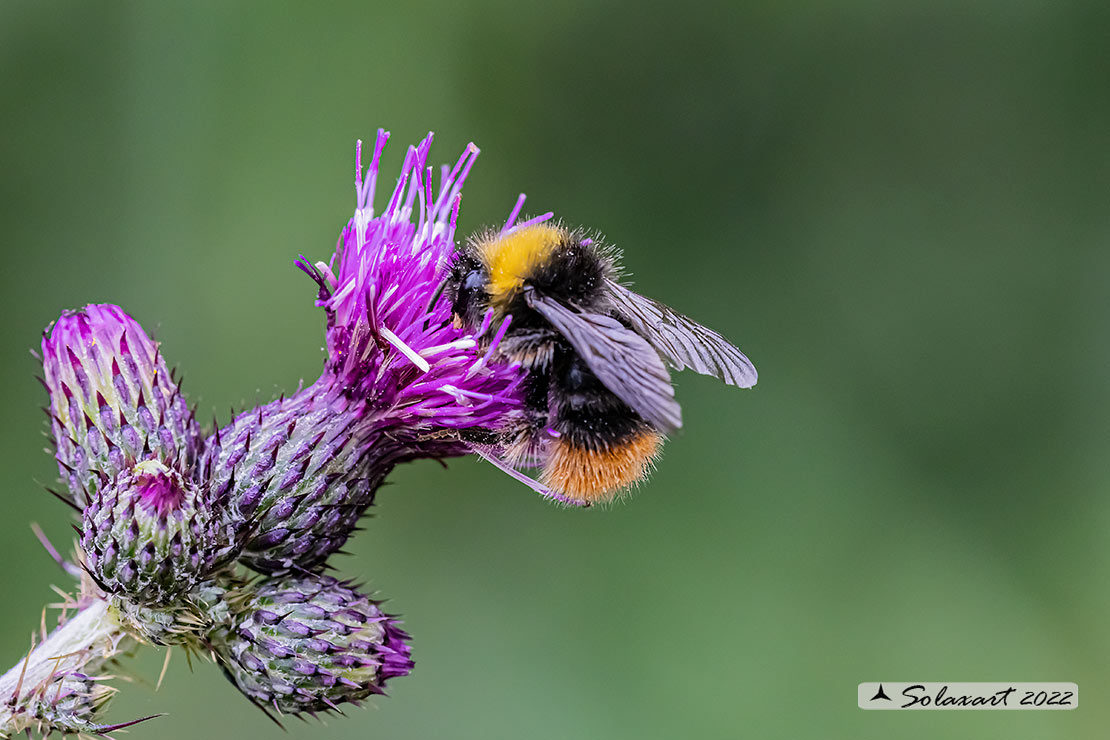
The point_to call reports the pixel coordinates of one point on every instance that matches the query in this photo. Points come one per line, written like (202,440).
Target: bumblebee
(599,398)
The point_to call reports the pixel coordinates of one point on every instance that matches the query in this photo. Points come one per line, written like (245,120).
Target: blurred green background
(900,211)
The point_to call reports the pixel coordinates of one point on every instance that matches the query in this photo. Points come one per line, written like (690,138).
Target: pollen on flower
(406,350)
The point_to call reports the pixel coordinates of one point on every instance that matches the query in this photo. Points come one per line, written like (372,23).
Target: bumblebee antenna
(435,299)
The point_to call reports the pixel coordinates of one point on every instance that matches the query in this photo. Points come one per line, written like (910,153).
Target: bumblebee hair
(600,398)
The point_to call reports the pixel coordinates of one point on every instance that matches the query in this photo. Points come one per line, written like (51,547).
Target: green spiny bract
(309,643)
(191,618)
(149,536)
(112,400)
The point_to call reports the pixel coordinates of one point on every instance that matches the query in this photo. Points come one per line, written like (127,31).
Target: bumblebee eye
(472,288)
(473,282)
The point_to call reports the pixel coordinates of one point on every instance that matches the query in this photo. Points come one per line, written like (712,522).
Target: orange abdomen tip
(596,476)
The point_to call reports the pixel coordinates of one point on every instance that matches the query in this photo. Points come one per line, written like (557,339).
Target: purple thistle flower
(113,402)
(383,343)
(400,382)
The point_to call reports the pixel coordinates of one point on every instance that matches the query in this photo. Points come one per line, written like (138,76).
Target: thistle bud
(293,477)
(68,703)
(112,400)
(148,536)
(310,643)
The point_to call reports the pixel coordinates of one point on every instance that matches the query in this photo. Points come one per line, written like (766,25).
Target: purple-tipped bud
(112,400)
(310,643)
(149,536)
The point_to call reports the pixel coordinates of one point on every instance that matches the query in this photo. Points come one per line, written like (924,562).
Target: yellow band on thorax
(512,258)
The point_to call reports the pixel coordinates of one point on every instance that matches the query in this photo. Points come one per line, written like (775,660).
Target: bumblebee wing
(683,342)
(620,358)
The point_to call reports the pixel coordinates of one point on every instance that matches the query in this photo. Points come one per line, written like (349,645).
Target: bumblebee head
(465,288)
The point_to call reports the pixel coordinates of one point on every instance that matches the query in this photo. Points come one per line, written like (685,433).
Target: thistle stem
(91,635)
